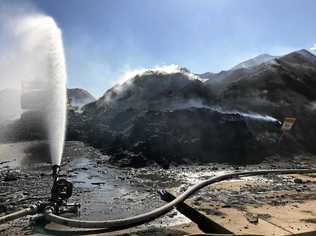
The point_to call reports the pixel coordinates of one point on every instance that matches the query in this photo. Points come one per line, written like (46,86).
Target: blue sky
(104,38)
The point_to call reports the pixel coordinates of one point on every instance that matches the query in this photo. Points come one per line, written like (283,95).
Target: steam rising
(164,69)
(250,115)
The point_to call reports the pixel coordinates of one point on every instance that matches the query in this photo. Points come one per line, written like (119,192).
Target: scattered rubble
(252,218)
(128,191)
(10,176)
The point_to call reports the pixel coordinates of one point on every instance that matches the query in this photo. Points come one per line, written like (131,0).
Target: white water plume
(56,116)
(39,54)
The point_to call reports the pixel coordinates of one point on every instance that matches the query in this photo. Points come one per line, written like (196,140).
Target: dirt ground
(107,192)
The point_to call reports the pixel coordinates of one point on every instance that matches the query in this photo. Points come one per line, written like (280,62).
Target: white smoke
(163,69)
(313,48)
(193,103)
(126,80)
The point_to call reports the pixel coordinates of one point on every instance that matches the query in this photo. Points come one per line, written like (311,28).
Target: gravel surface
(107,192)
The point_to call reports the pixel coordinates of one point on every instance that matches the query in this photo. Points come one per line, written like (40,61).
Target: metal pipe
(146,217)
(18,214)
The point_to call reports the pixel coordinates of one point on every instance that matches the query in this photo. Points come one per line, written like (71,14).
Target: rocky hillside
(78,97)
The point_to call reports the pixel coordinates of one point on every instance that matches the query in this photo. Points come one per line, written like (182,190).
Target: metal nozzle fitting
(56,169)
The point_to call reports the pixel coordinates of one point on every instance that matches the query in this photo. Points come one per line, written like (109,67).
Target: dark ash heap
(177,117)
(172,118)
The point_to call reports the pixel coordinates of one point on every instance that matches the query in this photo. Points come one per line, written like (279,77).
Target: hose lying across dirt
(18,214)
(149,216)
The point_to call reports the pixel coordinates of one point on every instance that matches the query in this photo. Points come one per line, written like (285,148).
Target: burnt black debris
(171,119)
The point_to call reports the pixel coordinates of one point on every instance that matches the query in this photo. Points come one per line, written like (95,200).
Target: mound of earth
(284,88)
(171,119)
(78,97)
(176,117)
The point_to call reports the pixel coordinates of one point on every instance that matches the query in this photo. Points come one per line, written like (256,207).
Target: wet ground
(107,192)
(104,191)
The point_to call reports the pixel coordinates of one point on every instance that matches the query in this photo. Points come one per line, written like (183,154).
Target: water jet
(45,96)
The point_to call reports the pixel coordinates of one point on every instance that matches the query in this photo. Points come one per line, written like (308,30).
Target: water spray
(44,97)
(44,90)
(55,119)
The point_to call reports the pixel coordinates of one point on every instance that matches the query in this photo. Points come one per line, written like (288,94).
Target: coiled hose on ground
(149,216)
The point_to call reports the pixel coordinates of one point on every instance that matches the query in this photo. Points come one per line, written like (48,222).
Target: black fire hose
(112,225)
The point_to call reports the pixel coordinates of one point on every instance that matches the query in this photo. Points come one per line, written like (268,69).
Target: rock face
(79,97)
